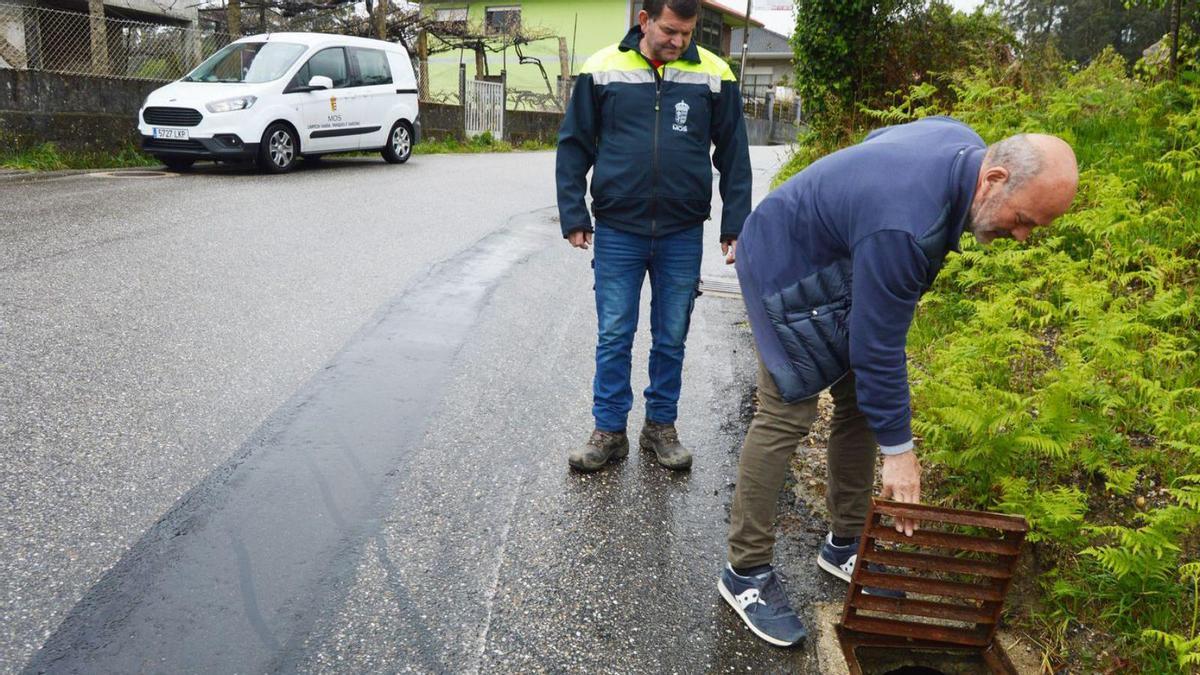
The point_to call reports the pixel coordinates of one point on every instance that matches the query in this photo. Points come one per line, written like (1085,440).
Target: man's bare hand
(580,239)
(729,250)
(902,483)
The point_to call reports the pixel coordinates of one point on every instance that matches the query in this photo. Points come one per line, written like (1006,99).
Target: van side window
(300,80)
(372,67)
(332,64)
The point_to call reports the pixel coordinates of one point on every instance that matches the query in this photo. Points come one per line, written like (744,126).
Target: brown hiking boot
(600,449)
(664,441)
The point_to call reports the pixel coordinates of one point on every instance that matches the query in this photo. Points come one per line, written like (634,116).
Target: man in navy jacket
(644,115)
(832,265)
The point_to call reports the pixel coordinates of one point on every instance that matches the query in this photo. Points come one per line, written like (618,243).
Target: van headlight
(231,104)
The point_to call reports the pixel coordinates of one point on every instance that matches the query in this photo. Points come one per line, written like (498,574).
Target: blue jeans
(621,263)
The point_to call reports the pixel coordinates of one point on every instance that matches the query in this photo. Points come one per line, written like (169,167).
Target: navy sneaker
(839,561)
(763,605)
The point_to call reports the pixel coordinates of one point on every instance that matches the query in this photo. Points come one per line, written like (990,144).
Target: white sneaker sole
(839,573)
(742,613)
(832,569)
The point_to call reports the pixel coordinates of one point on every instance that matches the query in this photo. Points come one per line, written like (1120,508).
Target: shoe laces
(599,438)
(668,434)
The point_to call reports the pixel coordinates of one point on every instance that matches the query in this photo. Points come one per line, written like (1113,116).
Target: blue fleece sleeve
(732,159)
(577,139)
(889,277)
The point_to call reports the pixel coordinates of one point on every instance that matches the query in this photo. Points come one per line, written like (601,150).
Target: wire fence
(53,40)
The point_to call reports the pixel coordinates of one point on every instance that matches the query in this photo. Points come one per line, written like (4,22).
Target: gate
(483,108)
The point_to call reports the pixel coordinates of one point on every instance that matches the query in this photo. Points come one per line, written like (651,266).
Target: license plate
(176,134)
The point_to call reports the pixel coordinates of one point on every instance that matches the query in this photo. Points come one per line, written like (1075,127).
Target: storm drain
(930,603)
(721,288)
(133,174)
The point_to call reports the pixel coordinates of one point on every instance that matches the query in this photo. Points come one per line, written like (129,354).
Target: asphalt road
(318,423)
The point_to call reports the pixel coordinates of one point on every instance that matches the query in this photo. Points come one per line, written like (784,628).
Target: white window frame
(450,14)
(495,9)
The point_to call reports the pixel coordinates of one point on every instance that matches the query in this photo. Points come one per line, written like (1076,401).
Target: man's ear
(643,18)
(995,176)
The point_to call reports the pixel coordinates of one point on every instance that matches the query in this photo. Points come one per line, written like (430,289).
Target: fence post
(564,95)
(462,95)
(192,49)
(423,62)
(99,36)
(770,99)
(504,101)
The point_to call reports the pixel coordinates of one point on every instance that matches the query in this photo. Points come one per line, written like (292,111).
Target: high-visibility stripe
(713,82)
(643,76)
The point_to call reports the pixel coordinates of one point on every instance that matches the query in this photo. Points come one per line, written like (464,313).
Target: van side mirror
(320,82)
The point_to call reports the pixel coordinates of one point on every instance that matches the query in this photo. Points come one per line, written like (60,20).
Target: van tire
(279,150)
(178,163)
(399,143)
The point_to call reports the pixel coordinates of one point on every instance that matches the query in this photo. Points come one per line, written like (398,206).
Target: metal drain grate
(956,573)
(721,288)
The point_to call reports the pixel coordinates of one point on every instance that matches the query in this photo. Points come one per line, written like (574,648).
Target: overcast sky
(781,21)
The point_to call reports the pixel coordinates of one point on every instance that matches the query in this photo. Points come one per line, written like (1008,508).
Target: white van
(277,97)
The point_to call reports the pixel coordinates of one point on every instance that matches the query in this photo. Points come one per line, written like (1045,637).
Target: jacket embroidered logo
(681,115)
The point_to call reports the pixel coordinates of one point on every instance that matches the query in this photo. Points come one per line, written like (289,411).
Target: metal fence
(769,108)
(39,38)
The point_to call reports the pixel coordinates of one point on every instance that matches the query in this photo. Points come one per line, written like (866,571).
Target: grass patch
(484,142)
(49,157)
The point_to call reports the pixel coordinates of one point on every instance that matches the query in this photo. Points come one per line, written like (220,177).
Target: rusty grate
(954,574)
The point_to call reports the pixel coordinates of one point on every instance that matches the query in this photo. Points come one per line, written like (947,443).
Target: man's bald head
(1026,181)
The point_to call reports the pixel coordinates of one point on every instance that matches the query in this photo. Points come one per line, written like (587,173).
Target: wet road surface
(406,504)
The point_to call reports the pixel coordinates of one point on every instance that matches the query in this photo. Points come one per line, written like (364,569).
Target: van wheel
(279,149)
(399,144)
(178,163)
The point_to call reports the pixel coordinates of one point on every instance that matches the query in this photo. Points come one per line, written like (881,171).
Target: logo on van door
(333,103)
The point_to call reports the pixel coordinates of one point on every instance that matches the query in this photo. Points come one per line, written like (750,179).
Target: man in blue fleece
(644,116)
(832,265)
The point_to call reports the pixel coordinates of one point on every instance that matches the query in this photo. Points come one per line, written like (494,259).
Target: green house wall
(588,26)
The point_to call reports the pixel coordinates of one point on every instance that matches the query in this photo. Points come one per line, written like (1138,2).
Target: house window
(504,19)
(708,29)
(756,85)
(451,17)
(450,14)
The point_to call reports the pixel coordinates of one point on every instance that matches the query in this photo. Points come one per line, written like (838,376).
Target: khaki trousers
(774,433)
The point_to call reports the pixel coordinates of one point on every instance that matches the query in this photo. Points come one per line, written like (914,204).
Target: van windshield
(247,62)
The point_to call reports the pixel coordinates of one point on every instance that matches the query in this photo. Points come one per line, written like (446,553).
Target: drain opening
(906,661)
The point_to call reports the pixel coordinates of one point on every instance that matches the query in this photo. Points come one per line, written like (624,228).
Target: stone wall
(76,112)
(439,120)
